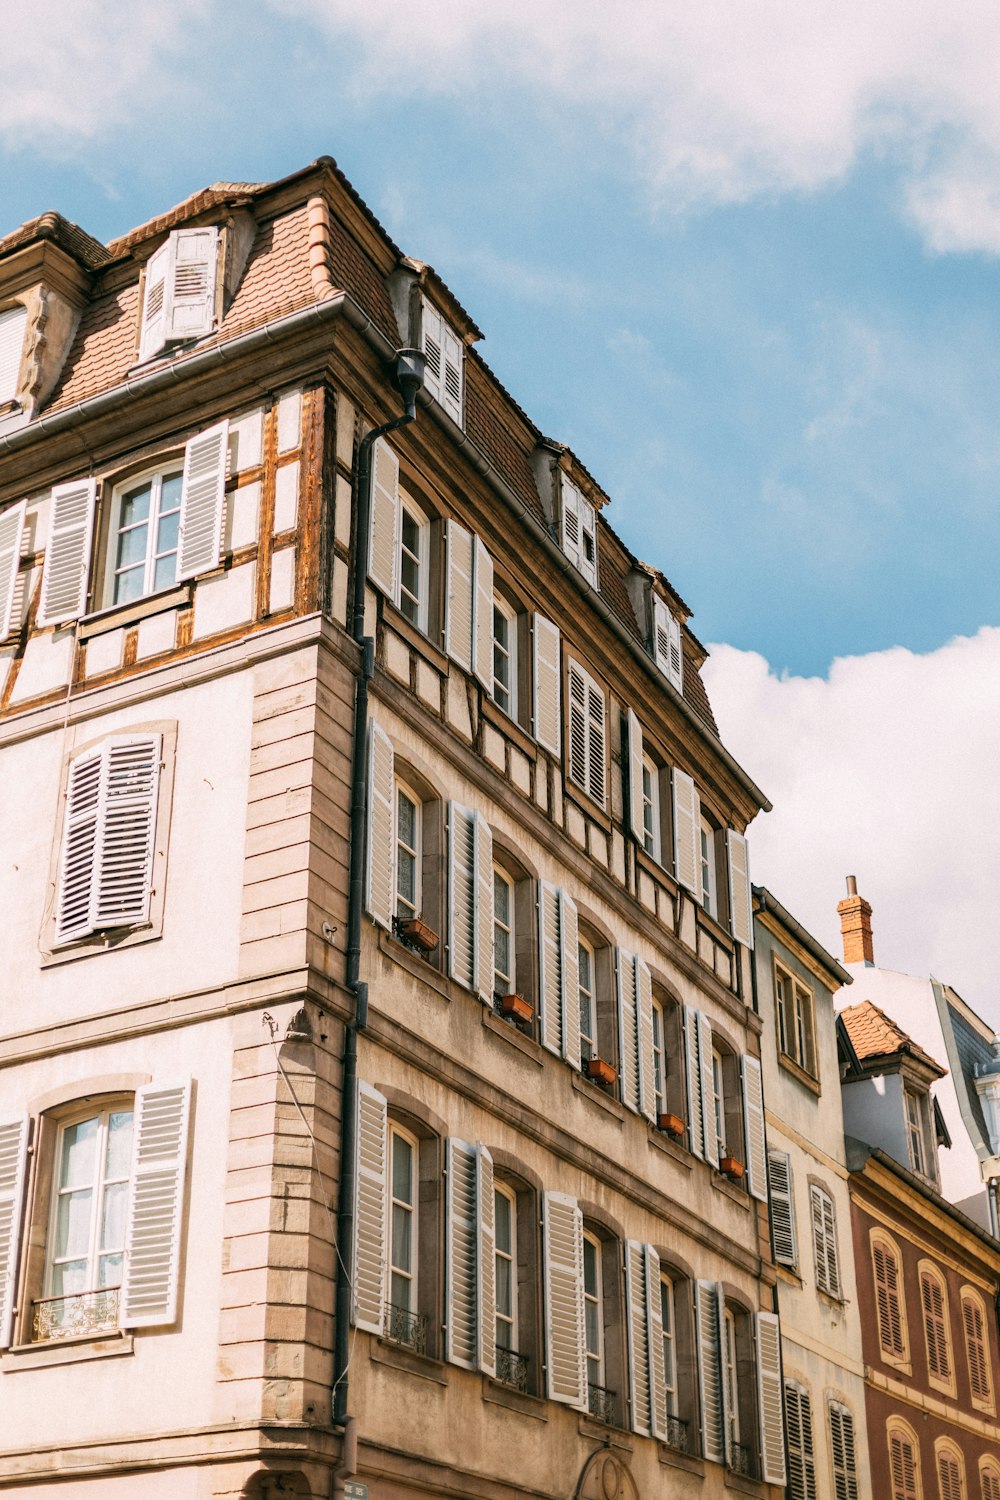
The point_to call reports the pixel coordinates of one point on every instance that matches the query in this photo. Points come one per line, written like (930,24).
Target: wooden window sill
(597,1095)
(385,1352)
(512,1036)
(499,1394)
(670,1147)
(394,620)
(800,1073)
(118,615)
(593,810)
(723,1185)
(508,727)
(68,1351)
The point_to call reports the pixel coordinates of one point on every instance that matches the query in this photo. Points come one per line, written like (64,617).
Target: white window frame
(13,326)
(508,652)
(659,1058)
(501,1190)
(504,984)
(397,1132)
(730,1377)
(651,840)
(719,1102)
(914,1104)
(408,507)
(594,1299)
(588,996)
(155,477)
(708,878)
(415,852)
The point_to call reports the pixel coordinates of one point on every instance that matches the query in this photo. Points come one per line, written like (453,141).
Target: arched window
(505,1251)
(403,1230)
(887,1273)
(825,1251)
(517,1276)
(950,1471)
(904,1461)
(603,1324)
(843,1452)
(593,1316)
(730,1380)
(937,1328)
(989,1478)
(668,1324)
(977,1348)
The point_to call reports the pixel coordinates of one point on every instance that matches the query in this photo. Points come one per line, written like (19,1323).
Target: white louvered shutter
(155,299)
(637,1320)
(67,552)
(383,525)
(191,303)
(431,335)
(644,1025)
(484,910)
(710,1140)
(12,325)
(597,755)
(657,1370)
(459,595)
(462,895)
(769,1405)
(588,542)
(667,651)
(571,500)
(753,1123)
(633,765)
(452,378)
(628,1030)
(728,1374)
(825,1241)
(487,1297)
(577,745)
(710,1383)
(80,846)
(153,1233)
(845,1472)
(799,1443)
(11,540)
(779,1170)
(370,1233)
(482,652)
(687,832)
(565,1348)
(380,854)
(13,1175)
(550,976)
(203,500)
(696,1105)
(462,1256)
(569,969)
(127,831)
(547,712)
(741,915)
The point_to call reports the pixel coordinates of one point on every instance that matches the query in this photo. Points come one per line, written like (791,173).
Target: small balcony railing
(741,1460)
(676,1435)
(77,1315)
(406,1328)
(512,1369)
(602,1403)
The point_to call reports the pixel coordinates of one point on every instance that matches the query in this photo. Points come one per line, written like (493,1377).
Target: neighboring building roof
(52,226)
(970,1046)
(769,902)
(860,1154)
(192,205)
(875,1036)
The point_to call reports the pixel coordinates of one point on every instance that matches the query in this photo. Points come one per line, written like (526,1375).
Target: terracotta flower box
(732,1167)
(418,934)
(517,1008)
(671,1124)
(600,1071)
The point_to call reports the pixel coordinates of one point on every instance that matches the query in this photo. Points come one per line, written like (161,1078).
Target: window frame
(900,1358)
(668,1327)
(707,864)
(936,1327)
(915,1111)
(396,1131)
(508,928)
(659,1057)
(588,1039)
(652,833)
(982,1400)
(167,468)
(845,1474)
(508,1194)
(946,1451)
(596,1356)
(826,1253)
(799,1047)
(509,614)
(582,778)
(402,788)
(420,617)
(899,1431)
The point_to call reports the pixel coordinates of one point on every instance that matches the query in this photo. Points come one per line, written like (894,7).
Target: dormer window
(916,1130)
(667,651)
(179,297)
(12,326)
(444,371)
(579,529)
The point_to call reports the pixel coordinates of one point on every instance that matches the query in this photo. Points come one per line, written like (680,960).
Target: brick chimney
(856,926)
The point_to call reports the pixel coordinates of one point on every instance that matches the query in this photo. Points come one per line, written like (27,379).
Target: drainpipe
(409,370)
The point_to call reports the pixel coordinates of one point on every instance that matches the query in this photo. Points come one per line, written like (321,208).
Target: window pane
(109,1270)
(501,899)
(402,1169)
(135,506)
(70,1279)
(79,1143)
(119,1153)
(399,1291)
(73,1223)
(504,1287)
(590,1268)
(113,1216)
(402,1219)
(502,1222)
(406,821)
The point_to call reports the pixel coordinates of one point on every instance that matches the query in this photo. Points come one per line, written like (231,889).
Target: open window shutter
(452,392)
(710,1382)
(546,708)
(13,1175)
(825,1241)
(191,307)
(153,1233)
(588,541)
(370,1247)
(687,829)
(484,910)
(459,595)
(380,861)
(727,1378)
(80,845)
(654,1322)
(577,747)
(741,915)
(644,1027)
(628,1031)
(155,299)
(383,532)
(633,764)
(434,354)
(11,537)
(779,1171)
(572,541)
(596,744)
(482,651)
(462,895)
(710,1140)
(203,499)
(462,1256)
(667,651)
(637,1319)
(753,1122)
(772,1434)
(487,1303)
(696,1105)
(67,553)
(131,775)
(569,968)
(565,1349)
(550,977)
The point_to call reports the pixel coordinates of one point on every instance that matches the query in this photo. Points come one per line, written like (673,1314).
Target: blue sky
(744,262)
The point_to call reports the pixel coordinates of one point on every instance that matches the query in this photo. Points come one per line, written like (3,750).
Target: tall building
(381,1087)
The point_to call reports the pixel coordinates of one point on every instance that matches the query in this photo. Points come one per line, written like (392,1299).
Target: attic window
(667,652)
(179,298)
(578,529)
(12,325)
(443,373)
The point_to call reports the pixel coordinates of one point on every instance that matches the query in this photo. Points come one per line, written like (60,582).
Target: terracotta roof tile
(696,697)
(874,1034)
(88,251)
(194,204)
(352,271)
(489,432)
(103,348)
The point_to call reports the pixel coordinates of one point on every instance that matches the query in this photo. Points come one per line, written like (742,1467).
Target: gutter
(876,1153)
(770,903)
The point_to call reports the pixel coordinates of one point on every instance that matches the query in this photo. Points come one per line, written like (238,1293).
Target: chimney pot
(856,926)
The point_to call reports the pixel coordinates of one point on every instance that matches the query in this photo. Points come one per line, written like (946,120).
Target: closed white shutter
(431,335)
(482,653)
(696,1105)
(799,1436)
(565,1349)
(628,1031)
(569,968)
(13,1174)
(587,739)
(462,895)
(596,743)
(461,1256)
(191,304)
(459,595)
(709,1356)
(710,1140)
(657,1371)
(825,1241)
(845,1472)
(370,1237)
(741,915)
(550,978)
(383,528)
(633,742)
(452,381)
(484,910)
(155,298)
(11,538)
(637,1319)
(753,1120)
(380,855)
(779,1169)
(12,326)
(153,1233)
(571,501)
(644,1026)
(67,553)
(772,1445)
(667,651)
(546,704)
(487,1299)
(130,781)
(203,500)
(687,832)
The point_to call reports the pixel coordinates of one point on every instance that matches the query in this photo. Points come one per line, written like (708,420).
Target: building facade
(381,1083)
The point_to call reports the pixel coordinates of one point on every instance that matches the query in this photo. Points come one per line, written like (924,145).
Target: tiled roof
(874,1034)
(194,204)
(52,226)
(508,451)
(103,348)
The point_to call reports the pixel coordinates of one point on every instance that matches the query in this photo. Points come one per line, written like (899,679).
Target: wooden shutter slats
(782,1208)
(462,1253)
(565,1348)
(153,1233)
(14,1136)
(370,1229)
(381,849)
(67,552)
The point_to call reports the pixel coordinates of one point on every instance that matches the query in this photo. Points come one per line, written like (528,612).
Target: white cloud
(887,770)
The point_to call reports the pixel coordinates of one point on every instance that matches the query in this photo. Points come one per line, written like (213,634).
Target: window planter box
(419,936)
(600,1071)
(732,1168)
(672,1125)
(516,1008)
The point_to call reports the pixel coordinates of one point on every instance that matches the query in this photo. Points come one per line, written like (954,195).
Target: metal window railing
(73,1316)
(406,1328)
(512,1369)
(602,1403)
(741,1460)
(677,1434)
